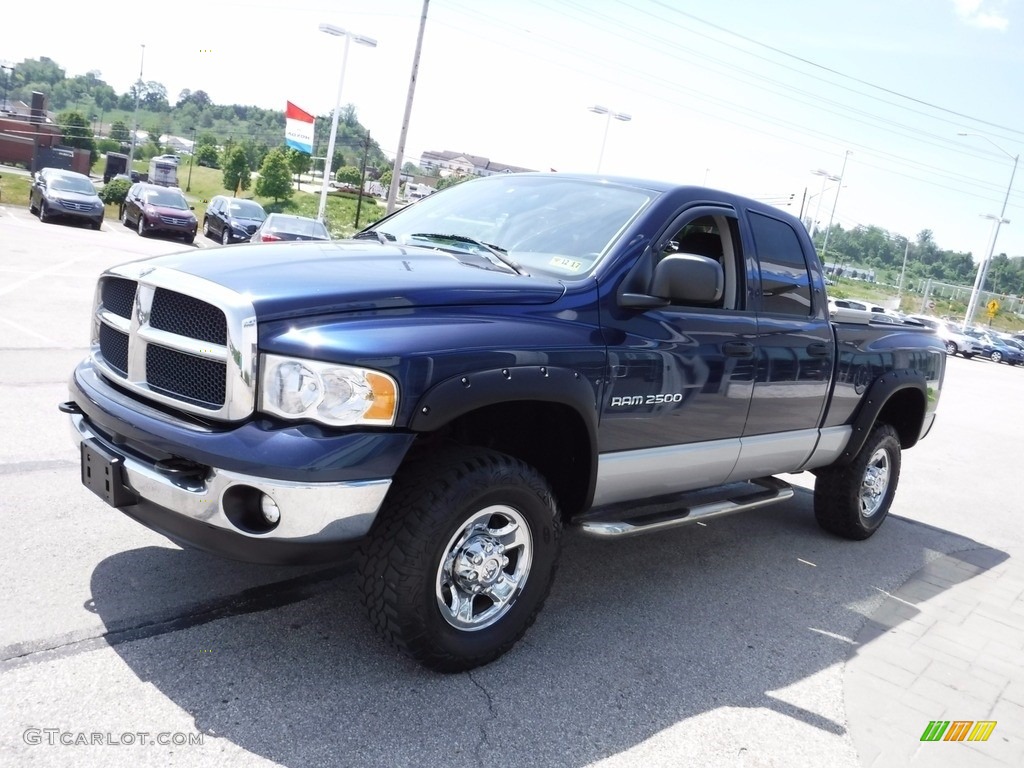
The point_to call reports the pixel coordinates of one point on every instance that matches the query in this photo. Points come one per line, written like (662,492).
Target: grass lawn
(340,213)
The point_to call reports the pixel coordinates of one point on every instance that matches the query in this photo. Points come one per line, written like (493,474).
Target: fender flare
(875,399)
(467,392)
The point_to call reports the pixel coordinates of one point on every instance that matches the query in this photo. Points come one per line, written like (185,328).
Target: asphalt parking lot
(744,642)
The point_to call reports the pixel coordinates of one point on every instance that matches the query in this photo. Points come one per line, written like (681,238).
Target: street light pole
(330,29)
(979,280)
(599,110)
(825,178)
(903,272)
(835,202)
(192,154)
(135,119)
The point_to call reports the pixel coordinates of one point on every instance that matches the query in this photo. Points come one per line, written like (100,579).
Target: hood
(73,197)
(177,213)
(296,279)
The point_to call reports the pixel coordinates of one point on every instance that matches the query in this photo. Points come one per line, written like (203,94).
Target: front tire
(206,227)
(997,357)
(461,557)
(951,348)
(225,237)
(968,355)
(853,500)
(141,228)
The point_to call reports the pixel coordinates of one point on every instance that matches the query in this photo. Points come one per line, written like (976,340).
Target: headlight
(337,395)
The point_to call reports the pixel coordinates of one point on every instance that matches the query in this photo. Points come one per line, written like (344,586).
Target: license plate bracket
(103,474)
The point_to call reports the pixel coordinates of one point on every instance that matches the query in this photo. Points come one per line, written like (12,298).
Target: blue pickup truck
(448,389)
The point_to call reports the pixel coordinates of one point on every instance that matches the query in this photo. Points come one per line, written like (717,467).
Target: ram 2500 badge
(462,379)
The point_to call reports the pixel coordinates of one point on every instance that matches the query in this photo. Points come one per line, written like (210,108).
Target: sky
(741,95)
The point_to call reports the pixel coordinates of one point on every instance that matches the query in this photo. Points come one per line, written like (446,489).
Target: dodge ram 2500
(460,380)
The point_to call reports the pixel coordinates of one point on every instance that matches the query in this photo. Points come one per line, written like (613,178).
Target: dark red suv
(150,208)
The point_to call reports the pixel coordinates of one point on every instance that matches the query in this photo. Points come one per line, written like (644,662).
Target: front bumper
(204,488)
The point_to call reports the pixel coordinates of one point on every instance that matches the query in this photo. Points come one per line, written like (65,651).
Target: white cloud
(973,14)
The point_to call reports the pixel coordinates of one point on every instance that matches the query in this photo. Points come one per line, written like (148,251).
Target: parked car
(151,209)
(230,219)
(56,193)
(954,339)
(283,226)
(995,349)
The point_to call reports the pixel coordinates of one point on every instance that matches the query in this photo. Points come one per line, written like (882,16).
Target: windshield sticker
(564,263)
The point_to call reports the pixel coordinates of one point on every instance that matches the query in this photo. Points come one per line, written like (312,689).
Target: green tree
(349,174)
(76,132)
(236,169)
(119,131)
(451,181)
(275,176)
(207,155)
(385,179)
(298,162)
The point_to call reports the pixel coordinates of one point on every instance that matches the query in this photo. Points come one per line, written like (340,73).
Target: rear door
(796,350)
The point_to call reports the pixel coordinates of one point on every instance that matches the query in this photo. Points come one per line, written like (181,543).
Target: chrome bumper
(310,512)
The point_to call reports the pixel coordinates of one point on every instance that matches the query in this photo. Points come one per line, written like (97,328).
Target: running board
(775,490)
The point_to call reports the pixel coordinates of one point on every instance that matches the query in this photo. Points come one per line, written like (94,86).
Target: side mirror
(688,279)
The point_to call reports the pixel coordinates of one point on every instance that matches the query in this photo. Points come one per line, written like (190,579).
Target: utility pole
(135,119)
(396,174)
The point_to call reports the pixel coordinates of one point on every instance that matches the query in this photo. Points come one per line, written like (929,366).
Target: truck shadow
(637,637)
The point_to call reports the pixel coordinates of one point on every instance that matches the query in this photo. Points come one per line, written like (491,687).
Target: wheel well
(905,412)
(551,437)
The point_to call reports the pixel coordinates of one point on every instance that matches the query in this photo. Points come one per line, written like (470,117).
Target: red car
(150,209)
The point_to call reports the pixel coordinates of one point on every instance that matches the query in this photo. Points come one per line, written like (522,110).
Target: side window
(711,236)
(785,281)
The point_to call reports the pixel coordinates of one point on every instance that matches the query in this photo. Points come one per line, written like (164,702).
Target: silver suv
(956,341)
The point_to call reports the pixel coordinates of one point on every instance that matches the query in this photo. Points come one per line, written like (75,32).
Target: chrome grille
(73,206)
(187,376)
(176,339)
(118,295)
(174,221)
(114,346)
(186,316)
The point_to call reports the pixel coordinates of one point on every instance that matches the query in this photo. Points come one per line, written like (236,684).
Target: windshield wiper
(374,234)
(494,251)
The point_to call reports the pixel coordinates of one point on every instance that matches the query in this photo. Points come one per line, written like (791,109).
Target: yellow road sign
(993,306)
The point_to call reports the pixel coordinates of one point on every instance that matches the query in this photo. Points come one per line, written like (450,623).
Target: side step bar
(775,490)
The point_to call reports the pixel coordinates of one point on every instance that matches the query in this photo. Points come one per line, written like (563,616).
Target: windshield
(71,184)
(244,209)
(166,198)
(560,226)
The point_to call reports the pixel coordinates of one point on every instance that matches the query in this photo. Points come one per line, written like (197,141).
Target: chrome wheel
(951,348)
(997,357)
(484,568)
(875,483)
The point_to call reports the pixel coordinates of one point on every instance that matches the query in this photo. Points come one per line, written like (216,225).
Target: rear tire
(461,557)
(969,355)
(853,500)
(997,357)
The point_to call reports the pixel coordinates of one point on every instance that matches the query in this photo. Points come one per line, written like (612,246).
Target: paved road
(755,640)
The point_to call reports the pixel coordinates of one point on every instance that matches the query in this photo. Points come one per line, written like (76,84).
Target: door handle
(818,349)
(738,349)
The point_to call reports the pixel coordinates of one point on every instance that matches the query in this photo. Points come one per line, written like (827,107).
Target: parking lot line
(12,287)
